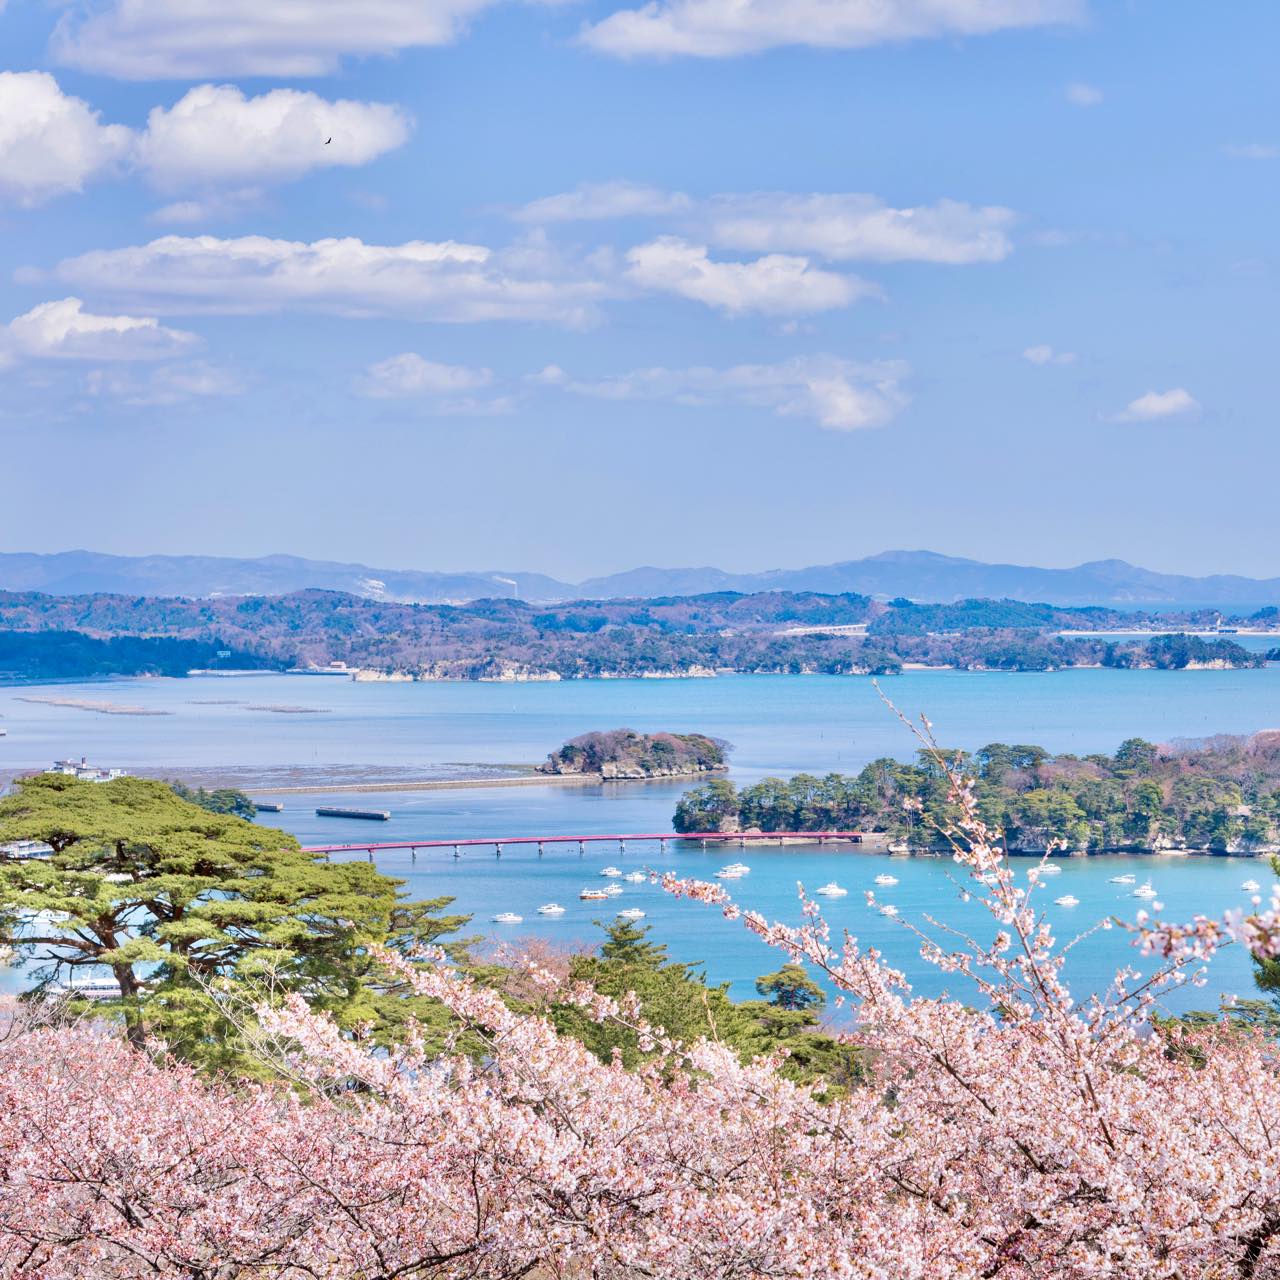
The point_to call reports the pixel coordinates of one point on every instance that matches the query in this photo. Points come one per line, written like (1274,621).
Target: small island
(622,755)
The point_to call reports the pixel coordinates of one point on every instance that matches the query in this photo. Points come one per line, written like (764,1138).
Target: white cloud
(725,28)
(595,200)
(409,374)
(855,226)
(65,331)
(1252,150)
(837,225)
(445,281)
(193,39)
(1159,404)
(51,144)
(167,385)
(775,284)
(839,394)
(215,135)
(1083,95)
(1043,353)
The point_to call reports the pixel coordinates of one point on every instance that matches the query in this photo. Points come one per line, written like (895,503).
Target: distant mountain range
(917,575)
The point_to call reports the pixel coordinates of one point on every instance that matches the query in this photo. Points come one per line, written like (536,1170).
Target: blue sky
(576,287)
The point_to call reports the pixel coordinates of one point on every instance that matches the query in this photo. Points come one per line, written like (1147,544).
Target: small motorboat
(1049,869)
(1251,886)
(612,890)
(831,890)
(986,877)
(508,917)
(728,873)
(593,895)
(740,867)
(551,909)
(889,910)
(632,913)
(635,877)
(611,872)
(1122,879)
(1144,891)
(1067,900)
(886,879)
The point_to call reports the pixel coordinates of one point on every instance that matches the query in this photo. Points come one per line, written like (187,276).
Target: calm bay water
(777,725)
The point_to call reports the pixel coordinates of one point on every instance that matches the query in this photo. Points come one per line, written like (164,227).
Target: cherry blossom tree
(1015,1133)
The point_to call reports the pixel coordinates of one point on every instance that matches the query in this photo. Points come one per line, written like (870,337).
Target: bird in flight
(327,141)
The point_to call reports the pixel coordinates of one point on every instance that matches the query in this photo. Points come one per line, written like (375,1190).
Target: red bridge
(497,843)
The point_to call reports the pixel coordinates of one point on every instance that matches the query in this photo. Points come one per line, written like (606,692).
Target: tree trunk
(134,1028)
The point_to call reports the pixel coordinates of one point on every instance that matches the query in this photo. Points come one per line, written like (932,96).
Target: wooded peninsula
(47,637)
(1219,795)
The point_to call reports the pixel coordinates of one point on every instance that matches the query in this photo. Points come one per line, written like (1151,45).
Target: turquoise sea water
(777,725)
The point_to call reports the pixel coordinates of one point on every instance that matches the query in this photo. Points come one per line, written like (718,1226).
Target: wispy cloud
(715,29)
(190,39)
(1154,405)
(1043,354)
(1252,150)
(1080,94)
(842,395)
(591,201)
(840,226)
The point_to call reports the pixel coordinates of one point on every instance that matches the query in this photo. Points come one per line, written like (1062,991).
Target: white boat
(593,895)
(886,879)
(635,877)
(611,872)
(832,890)
(987,877)
(632,913)
(612,890)
(740,867)
(1122,879)
(551,909)
(508,917)
(1251,886)
(727,873)
(1144,891)
(1049,869)
(889,910)
(1067,900)
(86,989)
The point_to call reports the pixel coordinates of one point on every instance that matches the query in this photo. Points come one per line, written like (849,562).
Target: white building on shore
(85,771)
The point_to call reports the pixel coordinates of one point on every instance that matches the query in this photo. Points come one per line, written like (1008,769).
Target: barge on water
(374,815)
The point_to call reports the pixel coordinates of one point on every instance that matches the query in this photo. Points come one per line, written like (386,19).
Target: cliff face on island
(622,754)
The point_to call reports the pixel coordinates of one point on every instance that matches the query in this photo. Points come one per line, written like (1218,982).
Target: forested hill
(1219,795)
(785,632)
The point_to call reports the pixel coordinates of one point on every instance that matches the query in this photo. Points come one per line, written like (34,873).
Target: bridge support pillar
(497,851)
(582,847)
(622,846)
(457,853)
(742,842)
(370,855)
(539,848)
(413,855)
(662,844)
(704,845)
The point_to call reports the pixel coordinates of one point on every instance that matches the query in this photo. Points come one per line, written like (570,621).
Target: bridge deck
(620,838)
